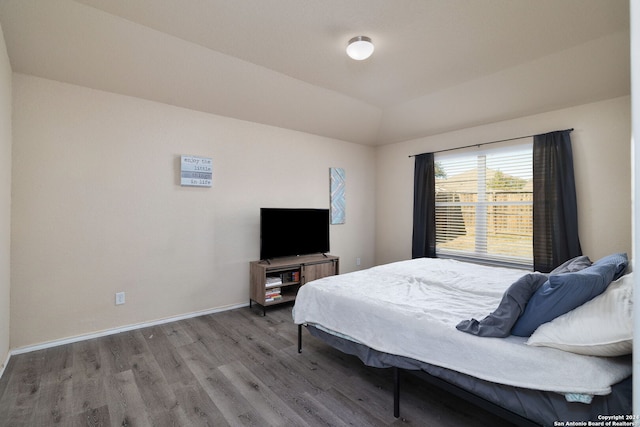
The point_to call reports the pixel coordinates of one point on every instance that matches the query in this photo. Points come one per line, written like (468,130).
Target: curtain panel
(555,212)
(424,207)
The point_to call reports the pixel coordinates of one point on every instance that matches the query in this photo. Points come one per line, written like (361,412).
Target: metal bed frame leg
(396,392)
(300,338)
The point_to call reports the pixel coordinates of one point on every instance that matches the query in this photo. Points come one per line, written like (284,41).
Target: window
(484,205)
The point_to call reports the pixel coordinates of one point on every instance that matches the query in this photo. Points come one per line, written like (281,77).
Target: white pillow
(600,327)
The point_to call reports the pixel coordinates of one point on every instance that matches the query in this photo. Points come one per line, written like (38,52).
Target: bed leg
(396,392)
(300,338)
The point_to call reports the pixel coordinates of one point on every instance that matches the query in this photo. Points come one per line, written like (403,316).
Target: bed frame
(398,364)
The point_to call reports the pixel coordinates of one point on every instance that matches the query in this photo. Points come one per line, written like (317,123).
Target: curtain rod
(487,143)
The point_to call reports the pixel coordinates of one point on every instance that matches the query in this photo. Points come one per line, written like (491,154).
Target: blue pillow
(619,260)
(562,293)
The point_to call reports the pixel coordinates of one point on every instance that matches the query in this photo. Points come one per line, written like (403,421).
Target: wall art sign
(196,171)
(338,184)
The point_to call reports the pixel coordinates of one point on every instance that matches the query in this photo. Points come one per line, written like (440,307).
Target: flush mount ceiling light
(360,48)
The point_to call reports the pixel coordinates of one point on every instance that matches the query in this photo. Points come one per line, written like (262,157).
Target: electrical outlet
(119,298)
(357,261)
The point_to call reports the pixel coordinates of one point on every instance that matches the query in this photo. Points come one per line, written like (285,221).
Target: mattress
(410,309)
(544,408)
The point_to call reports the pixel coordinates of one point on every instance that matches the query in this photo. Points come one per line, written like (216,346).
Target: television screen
(289,232)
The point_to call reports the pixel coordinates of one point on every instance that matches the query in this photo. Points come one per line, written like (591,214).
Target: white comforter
(410,308)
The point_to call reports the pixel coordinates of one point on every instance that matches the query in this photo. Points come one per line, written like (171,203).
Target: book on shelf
(273,285)
(273,281)
(272,292)
(290,276)
(273,298)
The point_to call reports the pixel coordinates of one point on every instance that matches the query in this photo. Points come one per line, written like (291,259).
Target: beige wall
(5,199)
(98,207)
(602,166)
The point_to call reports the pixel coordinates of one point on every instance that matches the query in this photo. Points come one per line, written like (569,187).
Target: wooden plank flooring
(232,368)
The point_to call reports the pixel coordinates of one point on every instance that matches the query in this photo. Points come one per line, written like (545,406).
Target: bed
(407,316)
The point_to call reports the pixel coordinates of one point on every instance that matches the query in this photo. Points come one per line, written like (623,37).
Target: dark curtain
(424,202)
(555,213)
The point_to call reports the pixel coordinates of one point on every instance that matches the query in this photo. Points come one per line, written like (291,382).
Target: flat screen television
(290,232)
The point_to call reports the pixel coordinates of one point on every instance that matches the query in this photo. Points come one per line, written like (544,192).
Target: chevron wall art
(338,184)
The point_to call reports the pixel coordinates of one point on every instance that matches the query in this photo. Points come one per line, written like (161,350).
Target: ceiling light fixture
(360,48)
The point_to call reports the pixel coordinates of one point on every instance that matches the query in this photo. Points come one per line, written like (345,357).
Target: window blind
(484,205)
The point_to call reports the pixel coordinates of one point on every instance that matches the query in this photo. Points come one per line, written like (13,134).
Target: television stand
(277,281)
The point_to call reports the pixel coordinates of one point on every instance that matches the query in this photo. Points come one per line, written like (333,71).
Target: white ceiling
(439,65)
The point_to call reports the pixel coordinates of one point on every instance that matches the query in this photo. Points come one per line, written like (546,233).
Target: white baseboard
(4,365)
(70,340)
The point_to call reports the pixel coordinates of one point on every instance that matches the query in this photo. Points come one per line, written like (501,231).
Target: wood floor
(231,368)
